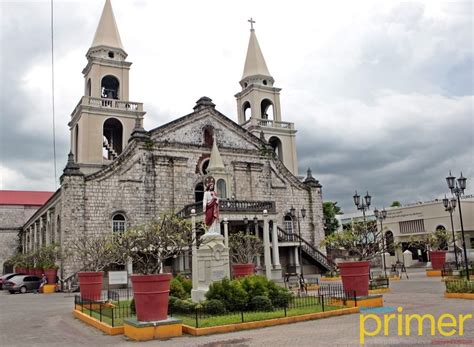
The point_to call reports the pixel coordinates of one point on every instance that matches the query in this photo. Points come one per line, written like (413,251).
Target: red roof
(22,197)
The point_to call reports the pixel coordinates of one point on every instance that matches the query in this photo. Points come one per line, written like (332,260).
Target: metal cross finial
(251,21)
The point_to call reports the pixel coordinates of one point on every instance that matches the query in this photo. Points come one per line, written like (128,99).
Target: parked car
(6,277)
(22,284)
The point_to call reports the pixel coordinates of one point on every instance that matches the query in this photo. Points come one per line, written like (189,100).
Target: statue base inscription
(212,262)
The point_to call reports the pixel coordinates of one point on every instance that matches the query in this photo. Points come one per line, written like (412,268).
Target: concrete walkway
(46,320)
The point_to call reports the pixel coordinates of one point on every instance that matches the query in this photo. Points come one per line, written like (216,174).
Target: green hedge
(459,286)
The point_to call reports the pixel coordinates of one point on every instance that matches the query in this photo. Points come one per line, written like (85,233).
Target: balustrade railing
(109,103)
(268,123)
(231,206)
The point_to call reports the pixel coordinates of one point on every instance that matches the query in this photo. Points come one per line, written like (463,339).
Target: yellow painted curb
(330,279)
(153,332)
(394,278)
(433,273)
(468,296)
(367,302)
(379,291)
(109,330)
(49,288)
(312,287)
(266,323)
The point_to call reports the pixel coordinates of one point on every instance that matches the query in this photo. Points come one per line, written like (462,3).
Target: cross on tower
(251,21)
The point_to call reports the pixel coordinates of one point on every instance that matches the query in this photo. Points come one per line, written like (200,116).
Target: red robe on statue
(212,210)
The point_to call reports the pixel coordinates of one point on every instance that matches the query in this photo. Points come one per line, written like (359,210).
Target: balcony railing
(268,123)
(231,206)
(109,103)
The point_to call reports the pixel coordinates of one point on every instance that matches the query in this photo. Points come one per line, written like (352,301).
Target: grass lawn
(232,318)
(203,322)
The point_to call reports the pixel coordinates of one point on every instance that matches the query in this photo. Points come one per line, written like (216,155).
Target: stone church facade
(119,175)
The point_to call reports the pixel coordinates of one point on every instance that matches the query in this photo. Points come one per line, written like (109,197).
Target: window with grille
(412,226)
(118,223)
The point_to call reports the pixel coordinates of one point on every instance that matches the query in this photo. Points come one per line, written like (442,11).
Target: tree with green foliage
(396,203)
(330,210)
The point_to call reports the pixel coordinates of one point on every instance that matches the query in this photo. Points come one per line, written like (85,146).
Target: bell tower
(104,119)
(258,105)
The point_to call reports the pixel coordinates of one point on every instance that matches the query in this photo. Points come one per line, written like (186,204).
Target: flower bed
(459,286)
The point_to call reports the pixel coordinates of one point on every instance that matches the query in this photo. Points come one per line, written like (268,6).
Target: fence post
(113,314)
(322,302)
(242,314)
(90,308)
(196,313)
(355,299)
(100,313)
(284,308)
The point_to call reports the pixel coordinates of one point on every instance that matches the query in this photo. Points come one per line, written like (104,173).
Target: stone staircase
(307,248)
(111,152)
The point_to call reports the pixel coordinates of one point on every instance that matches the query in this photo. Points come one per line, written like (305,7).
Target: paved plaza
(46,320)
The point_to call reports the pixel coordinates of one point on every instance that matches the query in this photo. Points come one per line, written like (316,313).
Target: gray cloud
(382,95)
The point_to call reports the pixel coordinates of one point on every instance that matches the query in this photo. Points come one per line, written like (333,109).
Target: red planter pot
(51,275)
(91,285)
(438,258)
(36,272)
(242,270)
(151,293)
(355,277)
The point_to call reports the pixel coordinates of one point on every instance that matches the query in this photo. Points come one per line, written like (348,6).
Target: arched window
(266,109)
(199,192)
(247,111)
(389,242)
(109,87)
(112,138)
(118,223)
(276,145)
(208,136)
(288,224)
(221,189)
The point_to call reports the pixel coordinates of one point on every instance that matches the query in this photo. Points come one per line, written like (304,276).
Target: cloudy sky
(381,92)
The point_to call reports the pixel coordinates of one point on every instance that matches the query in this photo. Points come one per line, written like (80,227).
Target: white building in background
(420,218)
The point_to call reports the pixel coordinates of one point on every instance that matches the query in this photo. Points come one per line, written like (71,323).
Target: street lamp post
(296,215)
(381,215)
(363,206)
(457,188)
(450,206)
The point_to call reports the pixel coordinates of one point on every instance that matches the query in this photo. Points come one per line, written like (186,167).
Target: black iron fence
(113,306)
(328,297)
(107,311)
(459,286)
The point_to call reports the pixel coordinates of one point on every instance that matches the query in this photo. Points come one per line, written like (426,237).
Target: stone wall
(12,219)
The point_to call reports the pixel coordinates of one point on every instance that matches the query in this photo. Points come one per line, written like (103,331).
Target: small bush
(177,290)
(261,303)
(280,297)
(229,292)
(186,283)
(184,306)
(214,306)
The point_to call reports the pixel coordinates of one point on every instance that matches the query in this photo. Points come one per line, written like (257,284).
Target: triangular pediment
(189,130)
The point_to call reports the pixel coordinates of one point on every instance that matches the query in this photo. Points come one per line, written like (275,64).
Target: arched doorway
(110,87)
(246,111)
(389,243)
(276,145)
(266,108)
(113,137)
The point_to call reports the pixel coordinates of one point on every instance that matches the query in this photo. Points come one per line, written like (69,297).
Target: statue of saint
(210,205)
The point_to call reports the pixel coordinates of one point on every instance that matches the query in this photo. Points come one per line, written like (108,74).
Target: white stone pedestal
(212,264)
